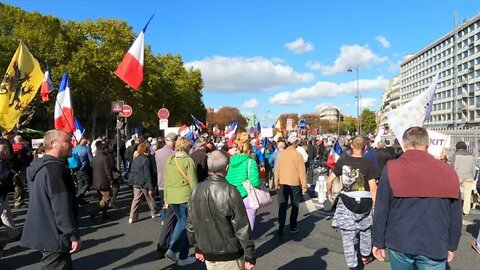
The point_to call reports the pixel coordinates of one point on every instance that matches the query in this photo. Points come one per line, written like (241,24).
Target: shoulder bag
(258,197)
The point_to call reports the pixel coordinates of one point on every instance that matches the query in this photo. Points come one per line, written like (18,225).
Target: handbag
(258,197)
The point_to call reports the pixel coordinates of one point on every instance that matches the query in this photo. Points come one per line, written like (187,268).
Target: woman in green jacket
(180,178)
(241,168)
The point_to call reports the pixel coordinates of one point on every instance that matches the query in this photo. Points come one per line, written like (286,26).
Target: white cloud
(324,89)
(251,104)
(383,41)
(241,74)
(350,55)
(299,46)
(367,102)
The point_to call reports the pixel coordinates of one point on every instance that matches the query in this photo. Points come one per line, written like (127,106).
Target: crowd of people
(380,192)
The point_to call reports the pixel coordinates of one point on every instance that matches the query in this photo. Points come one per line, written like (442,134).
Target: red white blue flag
(63,117)
(47,86)
(130,69)
(334,155)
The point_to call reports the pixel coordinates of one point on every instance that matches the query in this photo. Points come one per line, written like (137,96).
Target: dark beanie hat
(460,145)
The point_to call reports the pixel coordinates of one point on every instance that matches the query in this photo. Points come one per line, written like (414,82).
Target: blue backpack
(74,162)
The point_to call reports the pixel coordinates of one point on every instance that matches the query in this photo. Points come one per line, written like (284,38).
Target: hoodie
(52,217)
(238,172)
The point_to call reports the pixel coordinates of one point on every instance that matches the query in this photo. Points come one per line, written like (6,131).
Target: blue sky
(274,57)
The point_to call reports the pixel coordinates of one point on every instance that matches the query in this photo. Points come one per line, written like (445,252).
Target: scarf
(417,174)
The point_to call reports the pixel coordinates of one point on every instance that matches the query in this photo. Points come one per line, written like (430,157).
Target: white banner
(438,142)
(36,143)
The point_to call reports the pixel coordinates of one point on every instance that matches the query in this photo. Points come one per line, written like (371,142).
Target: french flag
(334,155)
(130,69)
(79,130)
(185,131)
(199,125)
(231,129)
(63,117)
(47,86)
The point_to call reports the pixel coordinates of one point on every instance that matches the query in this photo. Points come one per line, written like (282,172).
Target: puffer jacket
(217,224)
(177,189)
(238,172)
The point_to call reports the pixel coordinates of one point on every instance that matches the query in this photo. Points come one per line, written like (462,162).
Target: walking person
(243,167)
(180,179)
(84,173)
(102,181)
(51,225)
(291,181)
(353,213)
(465,167)
(168,217)
(6,186)
(418,214)
(215,213)
(142,180)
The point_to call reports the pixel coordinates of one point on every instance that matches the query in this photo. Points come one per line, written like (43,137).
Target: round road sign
(126,111)
(163,113)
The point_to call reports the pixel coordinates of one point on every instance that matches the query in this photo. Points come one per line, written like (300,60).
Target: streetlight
(350,69)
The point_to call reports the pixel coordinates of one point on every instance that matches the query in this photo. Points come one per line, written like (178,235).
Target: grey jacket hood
(37,164)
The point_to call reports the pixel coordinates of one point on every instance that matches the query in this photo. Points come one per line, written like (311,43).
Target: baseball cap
(292,139)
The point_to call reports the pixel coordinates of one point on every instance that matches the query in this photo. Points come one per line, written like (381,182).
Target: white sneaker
(172,256)
(187,261)
(156,215)
(130,220)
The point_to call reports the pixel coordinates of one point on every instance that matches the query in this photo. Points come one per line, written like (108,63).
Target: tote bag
(258,197)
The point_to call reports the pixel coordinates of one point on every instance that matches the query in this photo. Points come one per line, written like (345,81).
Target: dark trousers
(167,229)
(83,180)
(56,261)
(292,192)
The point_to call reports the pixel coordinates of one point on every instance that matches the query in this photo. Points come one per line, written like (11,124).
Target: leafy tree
(224,116)
(348,125)
(368,121)
(91,51)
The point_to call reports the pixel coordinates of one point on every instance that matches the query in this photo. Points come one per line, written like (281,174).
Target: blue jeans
(402,261)
(179,241)
(478,239)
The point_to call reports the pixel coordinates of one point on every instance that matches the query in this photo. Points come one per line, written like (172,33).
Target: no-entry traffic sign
(163,113)
(126,111)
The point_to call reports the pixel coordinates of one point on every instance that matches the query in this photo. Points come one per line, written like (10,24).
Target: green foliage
(91,51)
(348,125)
(368,122)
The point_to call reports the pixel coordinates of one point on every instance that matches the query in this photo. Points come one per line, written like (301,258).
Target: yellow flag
(19,86)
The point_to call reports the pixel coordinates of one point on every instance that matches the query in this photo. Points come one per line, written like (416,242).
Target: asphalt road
(116,244)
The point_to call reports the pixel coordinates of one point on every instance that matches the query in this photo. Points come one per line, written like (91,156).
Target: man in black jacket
(102,181)
(51,225)
(199,156)
(215,201)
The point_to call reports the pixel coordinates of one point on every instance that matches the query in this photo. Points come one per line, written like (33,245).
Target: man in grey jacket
(464,165)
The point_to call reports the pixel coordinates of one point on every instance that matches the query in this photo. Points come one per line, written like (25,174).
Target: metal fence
(470,136)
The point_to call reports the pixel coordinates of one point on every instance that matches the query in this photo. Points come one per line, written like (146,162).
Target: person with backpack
(84,173)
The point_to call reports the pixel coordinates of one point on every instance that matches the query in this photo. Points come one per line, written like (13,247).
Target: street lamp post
(350,69)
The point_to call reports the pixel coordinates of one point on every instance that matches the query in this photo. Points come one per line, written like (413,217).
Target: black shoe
(280,232)
(294,230)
